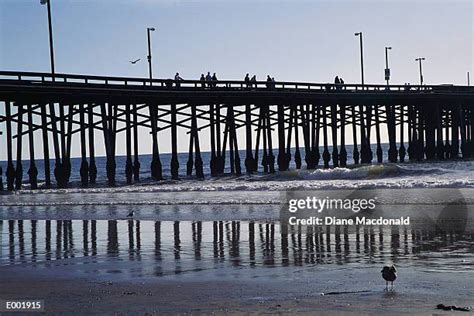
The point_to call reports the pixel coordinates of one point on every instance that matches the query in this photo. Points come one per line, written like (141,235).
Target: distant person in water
(247,81)
(203,80)
(214,80)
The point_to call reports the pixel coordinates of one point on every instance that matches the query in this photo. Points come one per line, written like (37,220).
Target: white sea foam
(393,176)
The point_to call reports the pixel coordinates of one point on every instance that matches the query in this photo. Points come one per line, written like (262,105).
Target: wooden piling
(271,157)
(401,150)
(392,151)
(136,159)
(355,150)
(10,172)
(378,150)
(462,129)
(368,125)
(67,158)
(44,130)
(297,140)
(420,148)
(84,170)
(316,134)
(343,153)
(92,164)
(439,133)
(283,162)
(174,144)
(233,142)
(455,132)
(57,149)
(212,127)
(194,144)
(128,145)
(364,145)
(19,167)
(335,153)
(33,170)
(308,147)
(326,155)
(155,166)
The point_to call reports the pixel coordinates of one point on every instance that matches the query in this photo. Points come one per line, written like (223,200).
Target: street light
(420,59)
(148,30)
(387,70)
(50,25)
(361,56)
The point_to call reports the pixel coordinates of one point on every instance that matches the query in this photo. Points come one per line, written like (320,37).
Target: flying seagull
(389,273)
(131,214)
(135,61)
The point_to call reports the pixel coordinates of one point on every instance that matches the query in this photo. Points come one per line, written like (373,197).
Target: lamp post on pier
(361,56)
(387,70)
(420,59)
(50,26)
(148,30)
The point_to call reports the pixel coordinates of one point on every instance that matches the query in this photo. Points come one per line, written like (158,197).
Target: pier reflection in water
(173,247)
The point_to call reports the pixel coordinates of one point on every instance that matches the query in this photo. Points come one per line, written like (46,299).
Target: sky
(290,40)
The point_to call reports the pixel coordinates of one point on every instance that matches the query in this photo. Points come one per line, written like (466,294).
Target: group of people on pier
(211,81)
(338,82)
(250,82)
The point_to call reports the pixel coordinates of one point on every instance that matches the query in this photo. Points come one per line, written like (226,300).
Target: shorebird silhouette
(135,61)
(131,214)
(389,273)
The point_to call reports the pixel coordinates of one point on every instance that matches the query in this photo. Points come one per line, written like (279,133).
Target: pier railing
(89,80)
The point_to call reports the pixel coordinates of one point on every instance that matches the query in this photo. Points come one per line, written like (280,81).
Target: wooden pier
(422,123)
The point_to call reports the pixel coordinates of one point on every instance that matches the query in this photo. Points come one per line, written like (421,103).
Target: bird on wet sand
(131,214)
(389,273)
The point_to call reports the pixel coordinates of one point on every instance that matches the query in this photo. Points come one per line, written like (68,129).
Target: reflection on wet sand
(235,243)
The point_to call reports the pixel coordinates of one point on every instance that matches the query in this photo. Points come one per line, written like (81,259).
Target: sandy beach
(415,293)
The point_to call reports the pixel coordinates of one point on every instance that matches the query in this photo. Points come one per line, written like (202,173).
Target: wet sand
(414,293)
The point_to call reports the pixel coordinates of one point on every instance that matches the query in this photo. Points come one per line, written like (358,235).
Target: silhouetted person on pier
(209,79)
(341,83)
(337,82)
(269,82)
(273,82)
(214,80)
(177,79)
(247,81)
(253,81)
(203,80)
